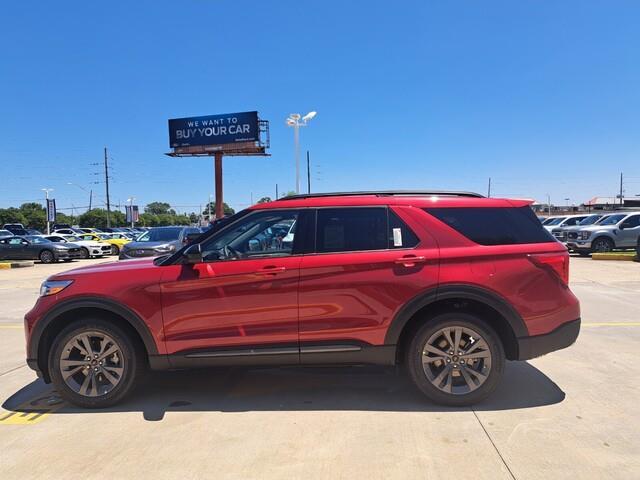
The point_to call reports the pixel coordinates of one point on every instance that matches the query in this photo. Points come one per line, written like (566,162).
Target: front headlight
(51,287)
(165,248)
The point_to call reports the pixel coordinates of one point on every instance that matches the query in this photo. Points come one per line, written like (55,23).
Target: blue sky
(544,97)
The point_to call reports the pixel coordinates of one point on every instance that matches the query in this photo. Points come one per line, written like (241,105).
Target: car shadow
(292,388)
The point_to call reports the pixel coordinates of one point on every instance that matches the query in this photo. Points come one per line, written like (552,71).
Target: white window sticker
(397,237)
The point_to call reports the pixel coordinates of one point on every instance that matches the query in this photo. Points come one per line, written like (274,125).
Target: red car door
(244,295)
(365,267)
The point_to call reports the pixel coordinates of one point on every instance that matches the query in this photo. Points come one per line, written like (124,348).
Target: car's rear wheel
(94,364)
(47,256)
(115,250)
(602,245)
(84,253)
(455,359)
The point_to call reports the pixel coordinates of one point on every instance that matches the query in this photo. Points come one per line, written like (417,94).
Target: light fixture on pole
(46,196)
(296,121)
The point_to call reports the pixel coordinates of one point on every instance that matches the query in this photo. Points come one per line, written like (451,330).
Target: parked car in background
(37,248)
(15,228)
(5,233)
(90,230)
(558,231)
(159,241)
(68,231)
(33,231)
(571,233)
(548,220)
(617,231)
(88,248)
(115,240)
(553,222)
(59,226)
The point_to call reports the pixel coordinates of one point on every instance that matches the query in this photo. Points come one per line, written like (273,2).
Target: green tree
(34,214)
(290,193)
(159,208)
(11,215)
(148,220)
(264,200)
(225,208)
(97,218)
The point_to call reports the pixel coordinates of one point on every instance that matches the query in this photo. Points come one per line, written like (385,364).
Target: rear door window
(494,226)
(351,229)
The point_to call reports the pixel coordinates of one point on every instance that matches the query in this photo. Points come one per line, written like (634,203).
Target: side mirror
(193,254)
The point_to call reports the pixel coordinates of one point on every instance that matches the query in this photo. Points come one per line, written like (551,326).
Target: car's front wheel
(94,363)
(455,359)
(602,245)
(84,253)
(115,250)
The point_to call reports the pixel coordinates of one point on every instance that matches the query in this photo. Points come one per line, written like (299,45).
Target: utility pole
(106,179)
(549,203)
(276,191)
(621,197)
(489,190)
(308,174)
(90,198)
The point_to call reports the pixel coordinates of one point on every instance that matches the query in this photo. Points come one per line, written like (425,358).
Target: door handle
(410,260)
(271,270)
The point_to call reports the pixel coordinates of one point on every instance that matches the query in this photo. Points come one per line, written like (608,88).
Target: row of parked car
(596,232)
(67,243)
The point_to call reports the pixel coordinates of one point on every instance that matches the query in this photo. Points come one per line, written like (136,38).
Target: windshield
(103,236)
(590,220)
(160,235)
(556,221)
(71,238)
(612,220)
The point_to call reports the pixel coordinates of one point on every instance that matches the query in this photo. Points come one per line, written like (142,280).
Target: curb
(613,256)
(20,264)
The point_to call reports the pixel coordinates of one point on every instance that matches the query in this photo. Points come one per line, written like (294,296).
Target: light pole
(130,200)
(46,197)
(296,121)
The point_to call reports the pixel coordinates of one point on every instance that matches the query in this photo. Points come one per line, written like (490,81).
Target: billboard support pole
(217,163)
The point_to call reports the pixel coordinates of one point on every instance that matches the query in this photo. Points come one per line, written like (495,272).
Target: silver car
(617,231)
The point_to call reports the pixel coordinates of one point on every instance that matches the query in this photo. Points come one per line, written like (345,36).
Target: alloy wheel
(46,257)
(92,364)
(602,246)
(456,360)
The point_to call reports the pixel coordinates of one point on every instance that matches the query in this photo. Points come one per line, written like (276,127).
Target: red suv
(448,284)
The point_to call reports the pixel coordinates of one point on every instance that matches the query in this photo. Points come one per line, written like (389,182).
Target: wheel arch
(488,305)
(56,319)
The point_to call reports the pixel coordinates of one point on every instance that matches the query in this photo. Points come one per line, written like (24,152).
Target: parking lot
(570,414)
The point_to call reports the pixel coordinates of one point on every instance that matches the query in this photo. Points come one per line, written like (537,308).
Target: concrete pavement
(570,414)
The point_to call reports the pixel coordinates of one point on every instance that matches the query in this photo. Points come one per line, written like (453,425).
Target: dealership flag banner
(51,210)
(132,213)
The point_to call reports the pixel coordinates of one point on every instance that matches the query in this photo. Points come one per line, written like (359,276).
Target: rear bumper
(537,345)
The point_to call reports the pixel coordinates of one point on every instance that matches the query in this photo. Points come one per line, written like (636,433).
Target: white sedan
(89,248)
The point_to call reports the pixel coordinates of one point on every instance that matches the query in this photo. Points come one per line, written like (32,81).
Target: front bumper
(537,345)
(61,255)
(579,244)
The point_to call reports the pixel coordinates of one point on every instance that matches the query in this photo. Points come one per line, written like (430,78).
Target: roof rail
(386,193)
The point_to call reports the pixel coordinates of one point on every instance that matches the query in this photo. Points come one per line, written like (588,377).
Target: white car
(89,248)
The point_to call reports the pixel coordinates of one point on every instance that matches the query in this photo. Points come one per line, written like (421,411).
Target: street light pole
(46,197)
(296,121)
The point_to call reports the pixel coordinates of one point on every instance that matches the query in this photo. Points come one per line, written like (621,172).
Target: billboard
(214,129)
(51,210)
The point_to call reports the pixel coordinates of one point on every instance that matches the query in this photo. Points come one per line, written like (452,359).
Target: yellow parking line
(32,411)
(611,324)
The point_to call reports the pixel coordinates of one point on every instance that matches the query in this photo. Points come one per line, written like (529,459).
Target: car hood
(67,245)
(147,245)
(107,267)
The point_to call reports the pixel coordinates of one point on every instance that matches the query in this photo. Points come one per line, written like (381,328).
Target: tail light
(558,263)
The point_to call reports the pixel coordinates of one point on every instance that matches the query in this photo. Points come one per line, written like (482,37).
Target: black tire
(47,256)
(132,363)
(602,245)
(84,253)
(418,372)
(115,250)
(67,260)
(582,253)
